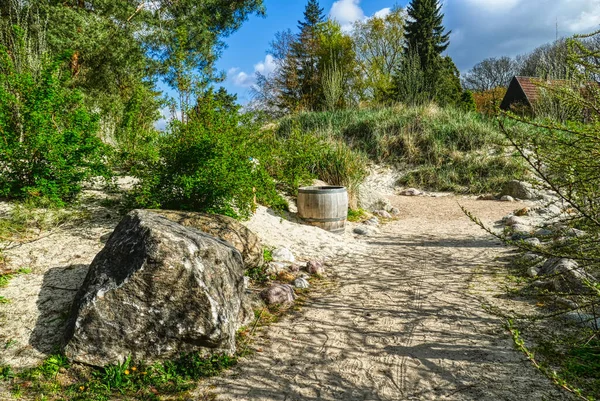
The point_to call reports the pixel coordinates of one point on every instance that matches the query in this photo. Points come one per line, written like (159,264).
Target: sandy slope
(405,322)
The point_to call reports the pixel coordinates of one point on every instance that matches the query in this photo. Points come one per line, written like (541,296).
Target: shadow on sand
(54,304)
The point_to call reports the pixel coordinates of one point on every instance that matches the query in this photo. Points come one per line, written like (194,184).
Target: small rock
(383,214)
(514,220)
(276,267)
(544,232)
(410,192)
(522,228)
(519,236)
(246,282)
(533,241)
(487,197)
(361,231)
(532,271)
(373,221)
(278,294)
(315,267)
(566,303)
(295,268)
(285,276)
(283,255)
(507,198)
(532,257)
(551,210)
(574,232)
(395,211)
(522,212)
(301,282)
(583,319)
(105,237)
(543,284)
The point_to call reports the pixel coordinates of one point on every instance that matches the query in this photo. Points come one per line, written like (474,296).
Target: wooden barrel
(324,207)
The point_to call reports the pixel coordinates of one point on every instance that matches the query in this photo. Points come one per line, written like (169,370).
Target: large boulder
(156,290)
(520,190)
(224,228)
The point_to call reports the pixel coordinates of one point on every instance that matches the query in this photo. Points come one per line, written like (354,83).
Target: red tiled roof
(529,87)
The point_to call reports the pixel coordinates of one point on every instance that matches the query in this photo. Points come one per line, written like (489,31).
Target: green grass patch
(29,219)
(5,279)
(571,359)
(258,274)
(128,380)
(356,215)
(267,255)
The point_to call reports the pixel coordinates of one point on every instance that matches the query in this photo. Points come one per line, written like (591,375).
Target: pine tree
(300,76)
(313,15)
(306,54)
(426,39)
(425,32)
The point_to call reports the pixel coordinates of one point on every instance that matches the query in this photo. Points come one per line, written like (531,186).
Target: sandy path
(405,322)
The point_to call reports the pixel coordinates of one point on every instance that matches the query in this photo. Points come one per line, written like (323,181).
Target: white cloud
(240,78)
(383,13)
(267,66)
(246,80)
(346,12)
(586,21)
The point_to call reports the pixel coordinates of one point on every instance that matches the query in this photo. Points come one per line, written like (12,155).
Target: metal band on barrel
(323,191)
(331,220)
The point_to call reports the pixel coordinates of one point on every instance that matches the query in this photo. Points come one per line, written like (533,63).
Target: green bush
(210,163)
(48,141)
(293,158)
(299,156)
(467,101)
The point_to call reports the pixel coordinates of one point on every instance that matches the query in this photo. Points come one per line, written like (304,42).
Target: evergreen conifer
(425,32)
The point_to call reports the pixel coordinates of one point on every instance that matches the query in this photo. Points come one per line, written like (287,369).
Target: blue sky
(480,29)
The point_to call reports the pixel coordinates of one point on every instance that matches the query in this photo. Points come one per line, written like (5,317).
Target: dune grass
(441,149)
